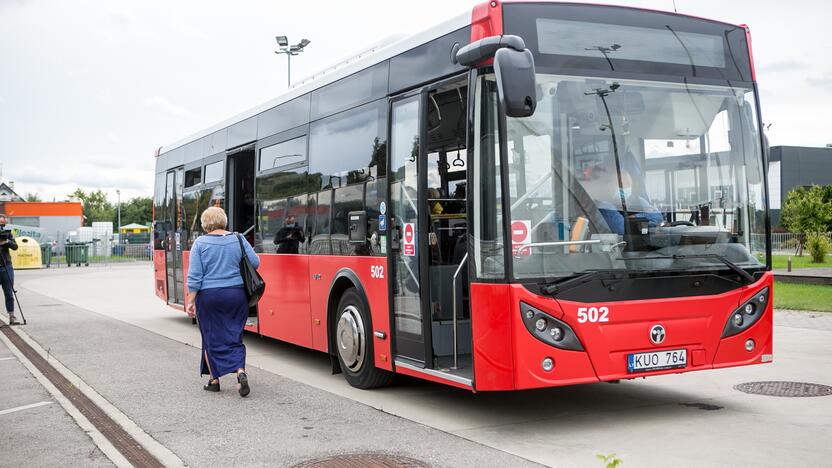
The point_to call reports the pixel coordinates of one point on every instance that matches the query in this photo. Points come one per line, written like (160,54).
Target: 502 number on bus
(593,314)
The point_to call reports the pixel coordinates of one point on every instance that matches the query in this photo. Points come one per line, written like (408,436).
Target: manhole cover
(363,460)
(785,389)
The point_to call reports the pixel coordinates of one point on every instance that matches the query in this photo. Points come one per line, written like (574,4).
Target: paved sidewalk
(155,382)
(803,319)
(34,429)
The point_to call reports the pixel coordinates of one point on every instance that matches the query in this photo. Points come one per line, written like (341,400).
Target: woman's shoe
(212,386)
(242,379)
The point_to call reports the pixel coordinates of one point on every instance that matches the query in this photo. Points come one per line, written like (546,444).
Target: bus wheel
(354,343)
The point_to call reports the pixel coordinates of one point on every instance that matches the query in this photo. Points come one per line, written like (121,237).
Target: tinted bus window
(283,117)
(159,212)
(374,194)
(193,177)
(213,172)
(283,154)
(272,191)
(349,147)
(347,199)
(319,243)
(351,91)
(190,217)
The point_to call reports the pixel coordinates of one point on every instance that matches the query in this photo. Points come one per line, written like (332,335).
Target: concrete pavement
(694,419)
(154,381)
(34,429)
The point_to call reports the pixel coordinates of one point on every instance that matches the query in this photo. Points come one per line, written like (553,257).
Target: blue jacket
(215,262)
(615,218)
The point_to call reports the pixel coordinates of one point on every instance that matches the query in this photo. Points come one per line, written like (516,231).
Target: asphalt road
(140,355)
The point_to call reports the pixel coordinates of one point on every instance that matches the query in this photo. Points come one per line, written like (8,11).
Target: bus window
(213,172)
(319,243)
(193,177)
(190,217)
(272,188)
(347,199)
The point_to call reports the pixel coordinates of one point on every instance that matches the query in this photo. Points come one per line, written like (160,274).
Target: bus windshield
(612,174)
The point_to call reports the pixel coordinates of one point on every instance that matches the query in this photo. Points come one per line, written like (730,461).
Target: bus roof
(376,54)
(334,73)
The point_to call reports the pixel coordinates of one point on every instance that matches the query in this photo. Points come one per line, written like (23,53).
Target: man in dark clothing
(6,270)
(289,237)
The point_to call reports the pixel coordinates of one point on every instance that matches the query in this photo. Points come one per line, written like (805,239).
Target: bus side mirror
(516,81)
(514,67)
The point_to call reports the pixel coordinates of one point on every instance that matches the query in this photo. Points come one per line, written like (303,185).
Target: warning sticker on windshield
(409,239)
(520,236)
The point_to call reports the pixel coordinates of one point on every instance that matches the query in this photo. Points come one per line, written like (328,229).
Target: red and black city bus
(529,195)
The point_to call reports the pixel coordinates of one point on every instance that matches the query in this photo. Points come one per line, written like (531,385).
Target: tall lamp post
(289,50)
(118,229)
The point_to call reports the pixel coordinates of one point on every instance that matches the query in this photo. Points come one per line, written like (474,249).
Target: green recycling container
(46,254)
(77,253)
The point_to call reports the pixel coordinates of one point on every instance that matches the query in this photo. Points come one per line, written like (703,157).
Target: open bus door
(428,231)
(240,206)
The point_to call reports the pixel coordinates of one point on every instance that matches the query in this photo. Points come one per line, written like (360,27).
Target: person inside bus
(216,296)
(289,237)
(638,206)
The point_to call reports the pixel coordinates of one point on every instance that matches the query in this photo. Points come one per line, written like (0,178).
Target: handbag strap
(242,249)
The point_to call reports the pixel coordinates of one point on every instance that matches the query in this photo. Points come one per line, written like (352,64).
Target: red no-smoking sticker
(409,244)
(520,236)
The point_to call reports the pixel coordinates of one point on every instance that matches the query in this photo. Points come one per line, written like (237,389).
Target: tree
(95,204)
(33,197)
(806,211)
(136,210)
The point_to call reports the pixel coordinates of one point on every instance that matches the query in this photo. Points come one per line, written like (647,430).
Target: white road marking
(25,407)
(7,358)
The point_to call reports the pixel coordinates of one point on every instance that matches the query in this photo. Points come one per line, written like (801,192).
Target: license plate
(670,359)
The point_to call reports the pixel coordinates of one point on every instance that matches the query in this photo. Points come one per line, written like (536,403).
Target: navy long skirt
(221,314)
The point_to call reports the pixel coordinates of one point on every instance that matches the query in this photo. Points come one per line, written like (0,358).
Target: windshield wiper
(552,288)
(747,277)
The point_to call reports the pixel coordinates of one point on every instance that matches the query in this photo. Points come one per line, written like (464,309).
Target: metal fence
(786,242)
(94,253)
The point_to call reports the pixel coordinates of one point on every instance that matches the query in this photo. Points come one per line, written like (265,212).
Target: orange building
(53,219)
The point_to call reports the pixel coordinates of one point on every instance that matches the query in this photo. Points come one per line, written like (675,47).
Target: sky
(89,89)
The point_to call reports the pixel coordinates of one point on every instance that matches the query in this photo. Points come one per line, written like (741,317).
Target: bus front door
(429,230)
(412,333)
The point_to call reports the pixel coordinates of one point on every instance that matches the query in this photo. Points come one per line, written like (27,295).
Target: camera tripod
(14,291)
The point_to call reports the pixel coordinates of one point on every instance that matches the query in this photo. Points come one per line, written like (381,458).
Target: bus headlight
(747,314)
(548,329)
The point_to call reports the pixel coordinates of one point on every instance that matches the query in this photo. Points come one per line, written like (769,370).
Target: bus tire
(353,340)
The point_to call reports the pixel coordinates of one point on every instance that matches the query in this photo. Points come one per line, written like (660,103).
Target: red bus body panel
(328,266)
(507,356)
(284,311)
(160,285)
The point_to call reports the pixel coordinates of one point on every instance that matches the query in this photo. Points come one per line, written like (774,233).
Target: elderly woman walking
(217,296)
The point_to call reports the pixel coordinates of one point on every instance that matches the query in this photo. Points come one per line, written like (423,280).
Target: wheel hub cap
(350,337)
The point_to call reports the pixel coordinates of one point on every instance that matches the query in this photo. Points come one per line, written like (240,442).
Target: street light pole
(118,229)
(289,50)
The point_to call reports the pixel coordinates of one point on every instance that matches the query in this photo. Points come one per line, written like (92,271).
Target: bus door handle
(395,236)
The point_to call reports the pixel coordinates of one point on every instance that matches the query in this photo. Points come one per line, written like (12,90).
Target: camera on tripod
(5,235)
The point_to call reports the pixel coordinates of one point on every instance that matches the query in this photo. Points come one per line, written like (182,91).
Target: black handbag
(252,281)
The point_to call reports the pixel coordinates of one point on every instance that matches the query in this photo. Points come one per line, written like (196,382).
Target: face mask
(625,192)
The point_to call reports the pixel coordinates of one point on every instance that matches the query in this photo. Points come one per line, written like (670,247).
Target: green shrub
(609,461)
(818,247)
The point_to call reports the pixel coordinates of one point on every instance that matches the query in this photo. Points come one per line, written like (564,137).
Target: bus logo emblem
(657,334)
